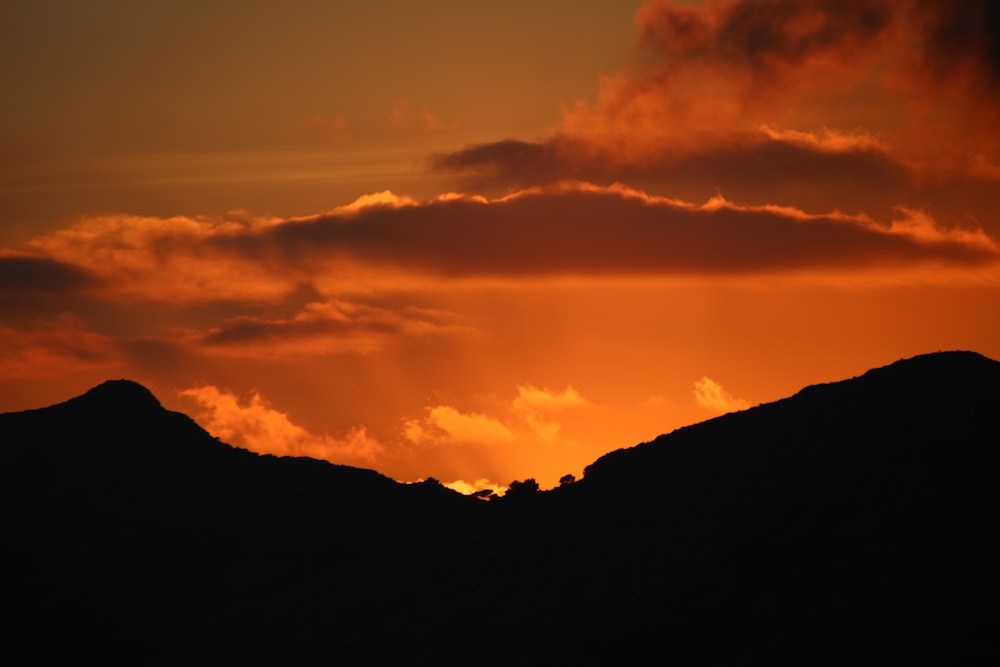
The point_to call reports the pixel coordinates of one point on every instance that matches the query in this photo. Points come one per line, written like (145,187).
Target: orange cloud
(719,69)
(385,199)
(528,419)
(535,405)
(713,73)
(825,139)
(445,423)
(549,433)
(258,427)
(711,396)
(922,227)
(468,488)
(165,259)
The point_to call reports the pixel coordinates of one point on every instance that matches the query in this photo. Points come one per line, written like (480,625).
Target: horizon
(501,490)
(483,244)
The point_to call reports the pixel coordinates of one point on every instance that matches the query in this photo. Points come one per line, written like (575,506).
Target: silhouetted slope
(866,505)
(143,537)
(851,523)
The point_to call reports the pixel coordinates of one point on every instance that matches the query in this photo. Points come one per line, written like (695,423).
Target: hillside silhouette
(851,523)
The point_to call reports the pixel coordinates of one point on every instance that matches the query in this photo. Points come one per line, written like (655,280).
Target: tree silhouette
(520,489)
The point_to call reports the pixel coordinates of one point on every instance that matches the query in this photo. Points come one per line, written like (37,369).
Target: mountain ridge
(932,369)
(847,523)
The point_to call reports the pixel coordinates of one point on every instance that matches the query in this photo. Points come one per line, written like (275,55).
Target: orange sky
(490,242)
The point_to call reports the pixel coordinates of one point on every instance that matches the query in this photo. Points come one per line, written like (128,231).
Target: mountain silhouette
(851,523)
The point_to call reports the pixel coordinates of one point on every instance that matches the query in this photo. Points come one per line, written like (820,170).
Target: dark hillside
(851,523)
(144,537)
(866,506)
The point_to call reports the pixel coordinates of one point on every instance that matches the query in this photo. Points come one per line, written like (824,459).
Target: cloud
(258,427)
(580,230)
(710,74)
(827,140)
(383,199)
(820,171)
(920,226)
(511,163)
(468,488)
(331,326)
(764,36)
(535,406)
(28,274)
(533,398)
(385,243)
(776,101)
(166,259)
(445,423)
(737,62)
(961,39)
(529,417)
(711,396)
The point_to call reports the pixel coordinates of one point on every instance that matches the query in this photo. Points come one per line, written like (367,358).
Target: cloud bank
(572,229)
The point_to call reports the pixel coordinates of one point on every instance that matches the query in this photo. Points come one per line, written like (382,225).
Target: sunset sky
(489,241)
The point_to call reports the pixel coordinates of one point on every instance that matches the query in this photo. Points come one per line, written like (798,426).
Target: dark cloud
(581,232)
(933,49)
(767,35)
(760,170)
(963,34)
(509,163)
(331,326)
(243,330)
(769,171)
(19,274)
(761,35)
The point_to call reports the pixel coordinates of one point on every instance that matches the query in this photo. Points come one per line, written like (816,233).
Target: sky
(483,242)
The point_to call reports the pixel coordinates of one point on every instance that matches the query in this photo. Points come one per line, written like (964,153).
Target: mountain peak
(954,369)
(945,360)
(122,395)
(934,369)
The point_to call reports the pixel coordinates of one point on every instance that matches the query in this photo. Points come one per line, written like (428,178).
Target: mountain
(851,523)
